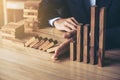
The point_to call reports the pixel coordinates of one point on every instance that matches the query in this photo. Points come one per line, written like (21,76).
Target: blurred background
(11,11)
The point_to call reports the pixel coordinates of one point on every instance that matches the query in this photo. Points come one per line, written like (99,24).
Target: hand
(70,34)
(66,24)
(64,47)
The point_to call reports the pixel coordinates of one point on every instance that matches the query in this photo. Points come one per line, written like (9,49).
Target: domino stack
(90,44)
(12,30)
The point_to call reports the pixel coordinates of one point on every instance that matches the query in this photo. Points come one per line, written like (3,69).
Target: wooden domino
(73,51)
(29,41)
(79,55)
(93,35)
(101,50)
(40,43)
(52,49)
(51,44)
(39,38)
(45,44)
(86,43)
(33,43)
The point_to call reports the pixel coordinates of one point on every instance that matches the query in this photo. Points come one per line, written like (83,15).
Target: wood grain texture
(34,42)
(51,44)
(52,49)
(86,56)
(23,63)
(79,51)
(45,44)
(73,51)
(29,41)
(13,30)
(102,24)
(39,39)
(94,34)
(41,43)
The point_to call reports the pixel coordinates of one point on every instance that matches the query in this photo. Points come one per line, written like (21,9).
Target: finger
(73,38)
(67,35)
(74,20)
(73,32)
(66,28)
(70,25)
(55,56)
(70,34)
(70,21)
(60,50)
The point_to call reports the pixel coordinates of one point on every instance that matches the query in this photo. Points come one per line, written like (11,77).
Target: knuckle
(72,17)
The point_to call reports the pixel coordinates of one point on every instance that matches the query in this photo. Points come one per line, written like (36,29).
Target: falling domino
(29,41)
(52,49)
(40,43)
(39,38)
(51,44)
(45,44)
(33,43)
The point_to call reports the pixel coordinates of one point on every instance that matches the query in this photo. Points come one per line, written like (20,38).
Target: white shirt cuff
(51,21)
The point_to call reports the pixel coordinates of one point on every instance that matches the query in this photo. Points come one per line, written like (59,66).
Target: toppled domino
(29,41)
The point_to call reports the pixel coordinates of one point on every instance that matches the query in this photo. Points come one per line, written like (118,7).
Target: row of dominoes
(90,44)
(41,43)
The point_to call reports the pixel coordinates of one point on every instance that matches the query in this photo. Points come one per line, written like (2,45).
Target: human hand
(64,47)
(66,24)
(70,34)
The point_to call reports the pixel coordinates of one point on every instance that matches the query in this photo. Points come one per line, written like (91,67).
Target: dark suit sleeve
(49,9)
(113,14)
(113,26)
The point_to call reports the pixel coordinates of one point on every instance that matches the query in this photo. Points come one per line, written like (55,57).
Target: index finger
(74,20)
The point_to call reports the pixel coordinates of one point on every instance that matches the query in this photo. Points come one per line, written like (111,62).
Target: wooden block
(30,13)
(30,9)
(45,44)
(86,43)
(73,51)
(7,35)
(29,41)
(93,35)
(51,44)
(101,51)
(40,43)
(33,43)
(39,38)
(12,26)
(36,45)
(32,4)
(13,40)
(52,49)
(79,55)
(30,25)
(14,29)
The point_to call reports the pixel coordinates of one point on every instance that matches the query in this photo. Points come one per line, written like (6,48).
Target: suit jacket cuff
(51,21)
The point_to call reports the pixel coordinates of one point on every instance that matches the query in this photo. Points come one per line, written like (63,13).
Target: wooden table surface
(22,63)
